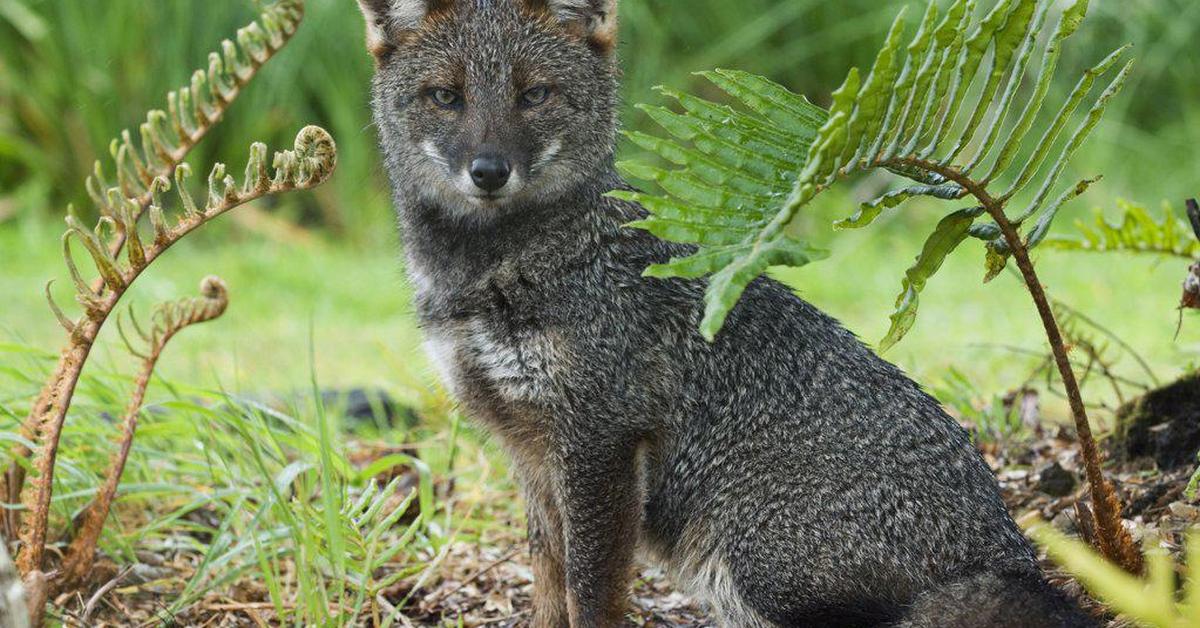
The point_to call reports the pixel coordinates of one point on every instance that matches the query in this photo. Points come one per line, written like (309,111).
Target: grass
(228,488)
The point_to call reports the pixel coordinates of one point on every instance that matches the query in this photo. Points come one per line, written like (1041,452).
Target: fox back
(784,473)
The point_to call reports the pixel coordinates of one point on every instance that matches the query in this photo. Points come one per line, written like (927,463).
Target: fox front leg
(601,512)
(547,552)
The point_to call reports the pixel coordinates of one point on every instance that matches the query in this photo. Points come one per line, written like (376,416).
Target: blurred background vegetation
(72,74)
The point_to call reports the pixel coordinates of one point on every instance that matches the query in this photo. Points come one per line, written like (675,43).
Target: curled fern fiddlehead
(168,320)
(166,137)
(307,165)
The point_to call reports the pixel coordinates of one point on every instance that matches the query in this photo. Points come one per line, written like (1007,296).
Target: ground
(486,581)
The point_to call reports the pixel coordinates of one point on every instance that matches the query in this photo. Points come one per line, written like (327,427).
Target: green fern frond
(1137,232)
(939,110)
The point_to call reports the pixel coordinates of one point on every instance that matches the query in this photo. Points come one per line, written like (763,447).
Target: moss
(1163,424)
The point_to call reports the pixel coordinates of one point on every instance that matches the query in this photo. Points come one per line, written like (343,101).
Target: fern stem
(81,553)
(1113,539)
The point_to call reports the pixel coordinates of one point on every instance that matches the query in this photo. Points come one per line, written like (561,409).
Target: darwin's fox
(784,473)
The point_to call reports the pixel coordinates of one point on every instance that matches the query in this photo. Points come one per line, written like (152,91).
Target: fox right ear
(389,20)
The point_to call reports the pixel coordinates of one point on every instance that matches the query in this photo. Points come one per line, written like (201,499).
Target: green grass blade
(331,494)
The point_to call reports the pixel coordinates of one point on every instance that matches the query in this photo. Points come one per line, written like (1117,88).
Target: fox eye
(445,98)
(535,96)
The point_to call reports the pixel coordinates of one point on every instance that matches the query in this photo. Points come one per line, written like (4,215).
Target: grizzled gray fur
(784,474)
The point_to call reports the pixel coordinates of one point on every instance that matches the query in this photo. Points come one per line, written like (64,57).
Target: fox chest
(491,367)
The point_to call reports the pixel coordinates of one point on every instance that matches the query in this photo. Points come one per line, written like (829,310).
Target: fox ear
(389,20)
(595,19)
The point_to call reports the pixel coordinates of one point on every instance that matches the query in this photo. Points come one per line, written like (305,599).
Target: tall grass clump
(231,491)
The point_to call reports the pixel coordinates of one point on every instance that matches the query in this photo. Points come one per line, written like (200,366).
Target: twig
(90,607)
(441,597)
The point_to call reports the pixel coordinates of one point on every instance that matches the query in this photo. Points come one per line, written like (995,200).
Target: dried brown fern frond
(168,320)
(192,110)
(309,164)
(166,139)
(120,253)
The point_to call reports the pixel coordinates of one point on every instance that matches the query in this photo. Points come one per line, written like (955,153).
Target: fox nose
(490,172)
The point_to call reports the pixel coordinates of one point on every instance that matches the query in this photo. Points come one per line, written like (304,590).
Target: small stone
(1187,512)
(1055,481)
(1064,522)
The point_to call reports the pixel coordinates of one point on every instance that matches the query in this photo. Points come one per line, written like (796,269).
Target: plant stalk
(1112,538)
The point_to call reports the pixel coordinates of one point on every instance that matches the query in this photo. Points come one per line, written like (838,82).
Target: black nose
(490,172)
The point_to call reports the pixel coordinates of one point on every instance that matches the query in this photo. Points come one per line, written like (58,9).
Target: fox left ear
(389,20)
(594,19)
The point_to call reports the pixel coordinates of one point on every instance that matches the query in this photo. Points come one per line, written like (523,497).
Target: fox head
(486,106)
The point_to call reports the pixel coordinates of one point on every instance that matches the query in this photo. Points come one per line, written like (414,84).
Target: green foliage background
(73,73)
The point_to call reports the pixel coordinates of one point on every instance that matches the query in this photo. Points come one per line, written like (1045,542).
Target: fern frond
(1137,232)
(933,110)
(166,137)
(307,165)
(739,161)
(169,319)
(120,253)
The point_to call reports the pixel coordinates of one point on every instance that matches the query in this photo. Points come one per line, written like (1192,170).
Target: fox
(783,474)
